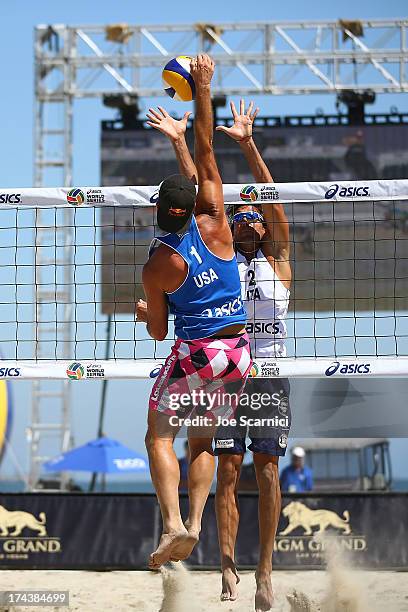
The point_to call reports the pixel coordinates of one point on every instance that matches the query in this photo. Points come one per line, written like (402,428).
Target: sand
(198,591)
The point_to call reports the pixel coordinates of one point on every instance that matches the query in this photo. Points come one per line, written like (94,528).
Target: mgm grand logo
(17,539)
(305,523)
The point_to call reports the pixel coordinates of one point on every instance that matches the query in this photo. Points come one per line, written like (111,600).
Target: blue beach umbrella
(101,455)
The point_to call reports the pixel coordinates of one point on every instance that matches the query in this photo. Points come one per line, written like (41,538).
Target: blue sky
(17,70)
(125,420)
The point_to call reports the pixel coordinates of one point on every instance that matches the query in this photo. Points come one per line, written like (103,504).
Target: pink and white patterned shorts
(203,372)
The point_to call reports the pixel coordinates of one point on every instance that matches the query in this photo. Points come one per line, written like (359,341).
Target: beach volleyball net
(71,261)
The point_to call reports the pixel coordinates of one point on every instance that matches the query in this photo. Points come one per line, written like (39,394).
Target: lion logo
(20,520)
(300,515)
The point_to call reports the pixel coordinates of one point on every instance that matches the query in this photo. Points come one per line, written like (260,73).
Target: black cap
(176,203)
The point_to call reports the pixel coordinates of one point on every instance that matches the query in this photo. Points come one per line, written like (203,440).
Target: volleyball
(177,80)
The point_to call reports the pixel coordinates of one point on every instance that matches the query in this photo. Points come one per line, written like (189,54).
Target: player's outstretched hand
(141,311)
(202,69)
(241,130)
(162,121)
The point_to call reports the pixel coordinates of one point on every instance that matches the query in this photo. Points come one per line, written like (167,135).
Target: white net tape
(340,191)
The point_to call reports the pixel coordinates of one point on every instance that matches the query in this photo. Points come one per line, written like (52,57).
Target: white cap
(298,451)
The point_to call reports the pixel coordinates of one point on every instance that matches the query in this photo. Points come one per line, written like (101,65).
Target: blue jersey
(209,299)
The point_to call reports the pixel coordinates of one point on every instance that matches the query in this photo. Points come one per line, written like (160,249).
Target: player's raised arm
(175,131)
(275,217)
(210,200)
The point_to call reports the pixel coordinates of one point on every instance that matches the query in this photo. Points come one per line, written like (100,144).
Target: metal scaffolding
(275,58)
(53,124)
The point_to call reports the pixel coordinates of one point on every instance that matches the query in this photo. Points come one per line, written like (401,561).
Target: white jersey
(266,300)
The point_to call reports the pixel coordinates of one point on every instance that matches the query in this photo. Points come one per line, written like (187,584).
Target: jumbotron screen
(336,255)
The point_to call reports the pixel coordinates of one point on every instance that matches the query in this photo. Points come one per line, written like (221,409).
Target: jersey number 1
(193,251)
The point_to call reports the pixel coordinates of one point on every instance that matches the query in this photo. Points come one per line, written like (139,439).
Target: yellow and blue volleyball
(177,80)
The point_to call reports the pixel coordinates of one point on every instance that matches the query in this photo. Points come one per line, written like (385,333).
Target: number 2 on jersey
(251,276)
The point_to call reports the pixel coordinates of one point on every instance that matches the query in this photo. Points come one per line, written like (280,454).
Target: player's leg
(200,476)
(165,473)
(230,449)
(268,443)
(269,506)
(214,367)
(222,365)
(164,467)
(227,510)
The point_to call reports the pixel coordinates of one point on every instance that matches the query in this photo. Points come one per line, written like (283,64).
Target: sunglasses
(248,217)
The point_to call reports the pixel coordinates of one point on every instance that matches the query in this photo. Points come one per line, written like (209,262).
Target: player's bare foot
(164,551)
(264,592)
(185,545)
(230,579)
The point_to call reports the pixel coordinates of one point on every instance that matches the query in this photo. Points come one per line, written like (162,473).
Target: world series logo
(76,371)
(249,194)
(77,196)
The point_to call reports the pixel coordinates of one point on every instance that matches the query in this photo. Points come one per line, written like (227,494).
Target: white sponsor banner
(375,367)
(77,197)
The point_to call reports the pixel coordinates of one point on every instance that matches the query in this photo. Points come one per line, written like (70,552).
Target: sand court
(180,590)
